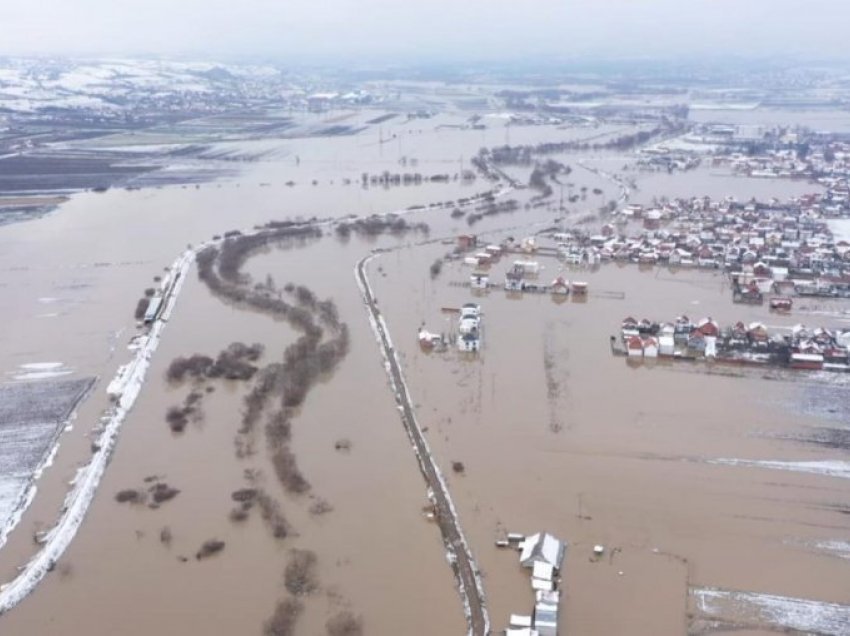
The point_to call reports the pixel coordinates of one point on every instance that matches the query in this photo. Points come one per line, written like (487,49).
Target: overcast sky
(424,30)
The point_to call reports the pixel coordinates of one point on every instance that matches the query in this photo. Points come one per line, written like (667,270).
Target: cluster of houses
(543,555)
(823,162)
(798,348)
(522,277)
(761,244)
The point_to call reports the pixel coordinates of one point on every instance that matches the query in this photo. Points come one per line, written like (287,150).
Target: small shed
(479,280)
(154,307)
(520,620)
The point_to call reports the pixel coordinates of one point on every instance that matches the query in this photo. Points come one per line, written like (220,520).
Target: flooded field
(597,451)
(691,477)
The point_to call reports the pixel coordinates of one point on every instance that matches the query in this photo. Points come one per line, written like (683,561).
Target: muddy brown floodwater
(554,432)
(617,455)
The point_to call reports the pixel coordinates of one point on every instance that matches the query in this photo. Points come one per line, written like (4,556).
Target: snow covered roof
(543,570)
(542,547)
(520,620)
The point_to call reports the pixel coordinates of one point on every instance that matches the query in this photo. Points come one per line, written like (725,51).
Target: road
(463,564)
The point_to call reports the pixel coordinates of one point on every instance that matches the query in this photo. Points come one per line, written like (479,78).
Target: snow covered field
(32,414)
(106,86)
(774,612)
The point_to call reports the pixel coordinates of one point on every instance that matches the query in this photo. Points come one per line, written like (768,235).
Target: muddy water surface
(557,434)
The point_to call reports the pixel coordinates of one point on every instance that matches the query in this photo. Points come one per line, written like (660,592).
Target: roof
(519,620)
(542,547)
(543,570)
(153,308)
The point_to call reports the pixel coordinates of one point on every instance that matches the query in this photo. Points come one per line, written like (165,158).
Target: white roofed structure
(542,547)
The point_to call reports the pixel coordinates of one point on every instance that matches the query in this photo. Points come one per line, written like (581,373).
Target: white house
(650,347)
(666,345)
(513,280)
(469,342)
(542,547)
(470,310)
(529,268)
(634,346)
(479,281)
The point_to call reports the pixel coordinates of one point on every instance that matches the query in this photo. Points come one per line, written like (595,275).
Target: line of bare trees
(527,154)
(379,224)
(278,391)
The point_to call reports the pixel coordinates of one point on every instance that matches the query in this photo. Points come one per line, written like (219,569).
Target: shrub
(244,494)
(300,573)
(344,624)
(142,308)
(209,548)
(320,507)
(177,418)
(163,492)
(286,467)
(130,496)
(282,621)
(272,515)
(195,366)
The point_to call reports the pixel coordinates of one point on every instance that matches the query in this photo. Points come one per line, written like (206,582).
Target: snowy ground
(32,414)
(840,228)
(831,468)
(773,612)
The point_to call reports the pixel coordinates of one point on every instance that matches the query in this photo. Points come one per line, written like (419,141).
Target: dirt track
(464,566)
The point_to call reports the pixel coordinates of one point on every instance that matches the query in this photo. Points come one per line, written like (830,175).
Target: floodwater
(615,455)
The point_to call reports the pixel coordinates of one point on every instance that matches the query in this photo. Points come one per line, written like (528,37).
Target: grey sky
(424,30)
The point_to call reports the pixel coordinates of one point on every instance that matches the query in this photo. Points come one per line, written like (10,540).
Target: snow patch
(87,479)
(830,468)
(768,610)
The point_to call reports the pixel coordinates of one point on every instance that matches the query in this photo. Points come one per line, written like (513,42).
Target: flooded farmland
(685,474)
(617,455)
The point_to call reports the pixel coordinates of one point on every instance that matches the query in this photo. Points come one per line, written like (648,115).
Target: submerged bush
(130,495)
(209,548)
(300,574)
(195,366)
(286,467)
(163,492)
(282,622)
(344,624)
(177,418)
